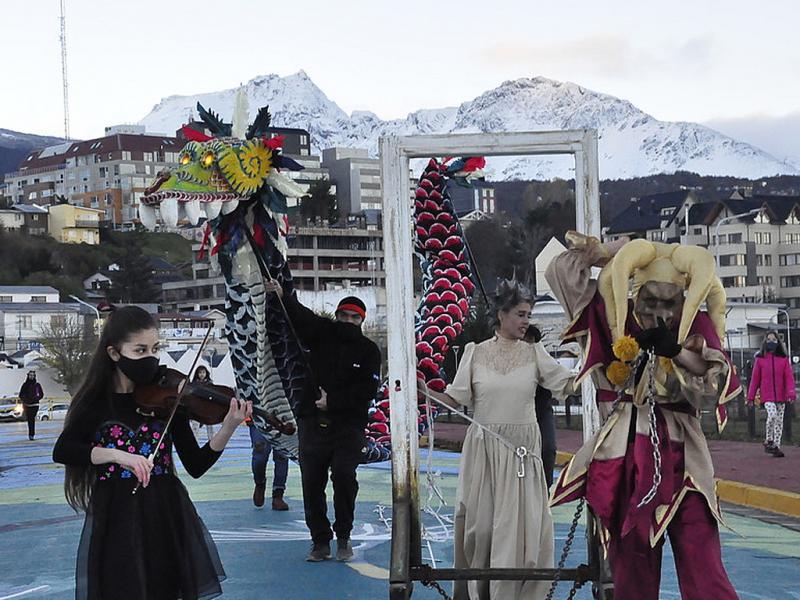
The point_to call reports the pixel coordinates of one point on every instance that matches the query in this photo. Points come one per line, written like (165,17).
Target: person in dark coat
(544,416)
(31,393)
(344,372)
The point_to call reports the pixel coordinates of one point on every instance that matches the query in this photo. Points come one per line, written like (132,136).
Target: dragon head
(215,174)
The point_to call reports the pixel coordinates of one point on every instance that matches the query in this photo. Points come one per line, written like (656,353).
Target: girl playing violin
(148,545)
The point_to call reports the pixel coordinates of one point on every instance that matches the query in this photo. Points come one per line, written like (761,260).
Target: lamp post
(788,332)
(755,211)
(94,308)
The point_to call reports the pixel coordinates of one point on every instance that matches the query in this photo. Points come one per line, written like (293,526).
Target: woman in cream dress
(502,519)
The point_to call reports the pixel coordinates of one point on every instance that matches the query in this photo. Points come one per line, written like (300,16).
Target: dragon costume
(236,183)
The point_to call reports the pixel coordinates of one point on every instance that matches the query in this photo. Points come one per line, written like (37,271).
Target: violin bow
(182,391)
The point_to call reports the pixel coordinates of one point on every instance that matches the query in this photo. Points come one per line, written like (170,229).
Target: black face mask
(772,346)
(140,370)
(347,331)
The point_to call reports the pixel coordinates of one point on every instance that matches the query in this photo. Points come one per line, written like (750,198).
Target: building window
(697,231)
(790,281)
(58,321)
(737,281)
(731,260)
(24,321)
(6,299)
(734,238)
(765,280)
(656,235)
(764,260)
(39,299)
(792,238)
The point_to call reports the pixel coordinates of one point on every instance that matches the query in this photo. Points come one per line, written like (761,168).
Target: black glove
(660,340)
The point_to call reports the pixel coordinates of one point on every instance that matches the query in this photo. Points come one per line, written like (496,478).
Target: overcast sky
(733,63)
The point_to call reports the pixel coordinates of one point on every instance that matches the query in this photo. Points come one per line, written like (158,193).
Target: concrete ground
(263,550)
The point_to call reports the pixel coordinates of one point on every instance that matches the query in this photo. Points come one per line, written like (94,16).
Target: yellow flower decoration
(245,167)
(618,372)
(666,364)
(626,348)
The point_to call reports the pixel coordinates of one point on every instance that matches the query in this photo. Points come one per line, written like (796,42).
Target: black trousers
(335,450)
(30,417)
(547,427)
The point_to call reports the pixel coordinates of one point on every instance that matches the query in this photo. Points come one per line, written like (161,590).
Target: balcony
(87,224)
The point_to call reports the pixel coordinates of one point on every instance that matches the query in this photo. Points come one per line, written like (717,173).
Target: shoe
(30,437)
(344,550)
(278,503)
(258,494)
(319,552)
(769,447)
(777,453)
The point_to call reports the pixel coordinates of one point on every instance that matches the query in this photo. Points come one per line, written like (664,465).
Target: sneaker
(344,550)
(278,503)
(777,453)
(258,494)
(319,552)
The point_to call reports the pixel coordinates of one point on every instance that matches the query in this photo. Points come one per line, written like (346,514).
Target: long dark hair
(779,349)
(95,392)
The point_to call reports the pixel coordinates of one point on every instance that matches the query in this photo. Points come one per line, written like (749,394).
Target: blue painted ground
(263,550)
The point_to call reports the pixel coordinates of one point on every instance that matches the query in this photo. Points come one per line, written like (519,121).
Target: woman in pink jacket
(773,379)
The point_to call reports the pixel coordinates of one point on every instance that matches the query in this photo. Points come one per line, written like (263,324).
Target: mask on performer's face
(659,300)
(771,346)
(139,370)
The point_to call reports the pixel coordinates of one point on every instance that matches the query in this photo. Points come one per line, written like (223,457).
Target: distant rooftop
(27,289)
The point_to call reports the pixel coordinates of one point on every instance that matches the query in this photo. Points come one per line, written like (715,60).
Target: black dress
(151,545)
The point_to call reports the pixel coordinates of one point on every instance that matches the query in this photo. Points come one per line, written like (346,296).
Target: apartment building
(75,224)
(108,174)
(321,258)
(756,239)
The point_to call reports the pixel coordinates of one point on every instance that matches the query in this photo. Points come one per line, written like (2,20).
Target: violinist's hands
(137,464)
(239,411)
(273,286)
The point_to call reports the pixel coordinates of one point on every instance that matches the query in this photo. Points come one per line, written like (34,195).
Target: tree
(320,203)
(67,345)
(132,283)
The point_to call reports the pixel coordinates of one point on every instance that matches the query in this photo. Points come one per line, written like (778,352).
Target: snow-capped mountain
(632,143)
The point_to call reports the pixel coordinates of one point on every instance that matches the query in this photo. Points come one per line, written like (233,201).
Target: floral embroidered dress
(502,520)
(152,544)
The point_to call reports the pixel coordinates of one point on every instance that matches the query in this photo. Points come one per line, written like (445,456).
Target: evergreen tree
(320,203)
(132,283)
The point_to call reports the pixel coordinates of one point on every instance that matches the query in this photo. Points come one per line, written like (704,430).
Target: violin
(204,402)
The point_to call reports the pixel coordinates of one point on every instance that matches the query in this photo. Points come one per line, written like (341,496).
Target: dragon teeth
(193,211)
(147,215)
(213,208)
(169,212)
(229,206)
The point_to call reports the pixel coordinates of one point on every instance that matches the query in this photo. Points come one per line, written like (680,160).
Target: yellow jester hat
(690,267)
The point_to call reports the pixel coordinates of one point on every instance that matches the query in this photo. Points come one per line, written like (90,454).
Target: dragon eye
(208,159)
(185,159)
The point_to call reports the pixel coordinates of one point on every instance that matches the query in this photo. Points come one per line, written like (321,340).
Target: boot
(769,447)
(777,453)
(277,501)
(258,494)
(319,552)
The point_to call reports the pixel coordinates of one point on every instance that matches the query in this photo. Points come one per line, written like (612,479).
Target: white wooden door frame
(398,251)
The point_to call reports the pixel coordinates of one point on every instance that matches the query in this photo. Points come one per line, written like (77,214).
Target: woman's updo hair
(509,294)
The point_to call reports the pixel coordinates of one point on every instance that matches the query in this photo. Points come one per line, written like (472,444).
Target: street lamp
(755,211)
(94,308)
(788,331)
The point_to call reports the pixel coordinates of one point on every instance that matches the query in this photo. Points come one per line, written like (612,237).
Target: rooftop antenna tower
(64,69)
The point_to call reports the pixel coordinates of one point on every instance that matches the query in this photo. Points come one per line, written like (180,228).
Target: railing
(35,171)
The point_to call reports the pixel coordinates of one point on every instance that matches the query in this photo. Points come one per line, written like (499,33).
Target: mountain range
(631,142)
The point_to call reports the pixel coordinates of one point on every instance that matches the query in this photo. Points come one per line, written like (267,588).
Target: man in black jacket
(344,375)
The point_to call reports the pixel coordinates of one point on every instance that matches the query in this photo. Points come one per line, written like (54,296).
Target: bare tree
(67,346)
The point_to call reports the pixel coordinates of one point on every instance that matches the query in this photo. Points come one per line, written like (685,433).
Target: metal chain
(435,585)
(565,552)
(654,440)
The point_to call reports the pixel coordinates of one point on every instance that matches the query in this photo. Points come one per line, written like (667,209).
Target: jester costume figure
(235,176)
(656,360)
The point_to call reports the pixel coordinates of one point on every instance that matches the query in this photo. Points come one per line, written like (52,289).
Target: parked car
(11,410)
(55,411)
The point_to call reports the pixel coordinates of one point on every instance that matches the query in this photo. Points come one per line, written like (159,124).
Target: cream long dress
(502,520)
